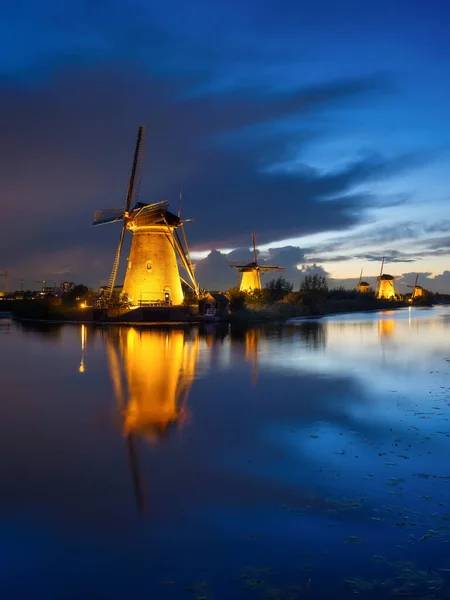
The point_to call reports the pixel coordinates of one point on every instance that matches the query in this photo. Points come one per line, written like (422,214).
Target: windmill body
(251,272)
(363,287)
(250,279)
(418,292)
(386,289)
(152,275)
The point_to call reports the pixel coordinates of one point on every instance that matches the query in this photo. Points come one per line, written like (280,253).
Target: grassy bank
(308,304)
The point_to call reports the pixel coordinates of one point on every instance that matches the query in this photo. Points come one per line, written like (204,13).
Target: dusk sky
(323,126)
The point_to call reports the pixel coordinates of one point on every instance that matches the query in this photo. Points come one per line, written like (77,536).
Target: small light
(83,305)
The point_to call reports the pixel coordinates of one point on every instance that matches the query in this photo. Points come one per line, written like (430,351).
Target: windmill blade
(360,277)
(108,215)
(417,277)
(269,268)
(136,475)
(133,189)
(382,265)
(112,278)
(255,256)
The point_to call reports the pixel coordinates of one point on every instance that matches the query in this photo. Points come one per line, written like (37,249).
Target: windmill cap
(385,278)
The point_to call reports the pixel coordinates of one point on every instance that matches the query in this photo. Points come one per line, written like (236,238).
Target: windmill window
(129,264)
(149,265)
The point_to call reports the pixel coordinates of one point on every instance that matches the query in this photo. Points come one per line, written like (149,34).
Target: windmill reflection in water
(152,372)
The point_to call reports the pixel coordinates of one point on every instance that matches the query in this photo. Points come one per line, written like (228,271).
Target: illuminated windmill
(386,289)
(363,286)
(152,275)
(251,272)
(418,292)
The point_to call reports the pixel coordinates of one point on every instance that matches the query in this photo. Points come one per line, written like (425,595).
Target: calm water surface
(310,459)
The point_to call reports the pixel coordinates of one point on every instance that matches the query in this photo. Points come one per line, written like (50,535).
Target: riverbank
(277,312)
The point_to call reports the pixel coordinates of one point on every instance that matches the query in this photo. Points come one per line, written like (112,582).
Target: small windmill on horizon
(251,272)
(417,290)
(363,286)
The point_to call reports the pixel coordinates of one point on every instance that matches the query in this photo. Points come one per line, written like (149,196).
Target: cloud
(214,272)
(287,256)
(390,256)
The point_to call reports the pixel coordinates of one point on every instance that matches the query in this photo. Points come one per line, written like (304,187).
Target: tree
(316,284)
(277,289)
(119,300)
(237,299)
(79,292)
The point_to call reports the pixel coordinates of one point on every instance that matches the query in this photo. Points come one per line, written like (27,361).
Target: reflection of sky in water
(147,461)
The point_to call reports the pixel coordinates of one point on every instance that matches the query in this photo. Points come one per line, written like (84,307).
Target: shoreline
(200,321)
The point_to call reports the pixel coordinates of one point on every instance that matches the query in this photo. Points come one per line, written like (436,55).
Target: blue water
(306,459)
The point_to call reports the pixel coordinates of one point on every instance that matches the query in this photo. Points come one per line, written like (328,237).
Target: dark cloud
(242,255)
(390,256)
(287,256)
(214,272)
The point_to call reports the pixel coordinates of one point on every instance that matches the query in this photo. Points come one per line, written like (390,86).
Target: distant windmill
(152,274)
(5,275)
(362,286)
(251,272)
(386,289)
(417,290)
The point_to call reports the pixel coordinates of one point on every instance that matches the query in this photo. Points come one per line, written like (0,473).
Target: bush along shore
(278,301)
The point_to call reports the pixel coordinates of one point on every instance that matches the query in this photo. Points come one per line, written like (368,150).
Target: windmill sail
(131,194)
(133,189)
(108,215)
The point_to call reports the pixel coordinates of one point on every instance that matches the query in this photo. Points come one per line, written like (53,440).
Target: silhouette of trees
(314,284)
(277,289)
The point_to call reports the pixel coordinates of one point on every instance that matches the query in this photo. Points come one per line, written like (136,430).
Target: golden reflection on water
(252,338)
(386,327)
(152,372)
(81,368)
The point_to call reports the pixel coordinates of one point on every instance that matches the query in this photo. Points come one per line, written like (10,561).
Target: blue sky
(321,123)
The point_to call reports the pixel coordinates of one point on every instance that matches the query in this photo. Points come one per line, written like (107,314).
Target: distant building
(67,286)
(214,305)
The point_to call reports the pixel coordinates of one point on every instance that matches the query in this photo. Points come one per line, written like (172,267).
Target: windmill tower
(386,289)
(418,292)
(5,275)
(152,276)
(362,286)
(251,272)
